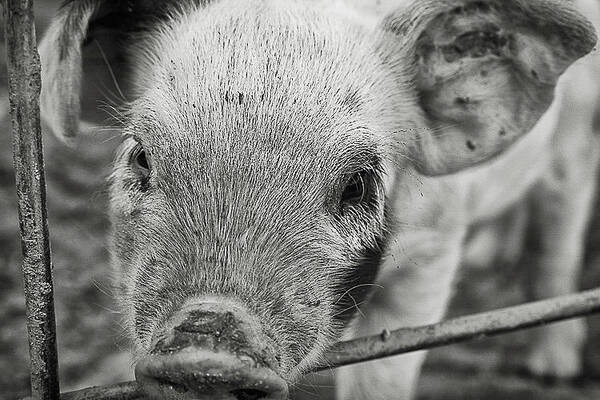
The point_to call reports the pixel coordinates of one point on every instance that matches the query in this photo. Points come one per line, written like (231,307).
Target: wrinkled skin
(293,160)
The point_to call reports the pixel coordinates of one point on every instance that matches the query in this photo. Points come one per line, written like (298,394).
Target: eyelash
(139,163)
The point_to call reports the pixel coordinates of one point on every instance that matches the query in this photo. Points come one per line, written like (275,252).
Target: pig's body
(556,163)
(553,170)
(288,161)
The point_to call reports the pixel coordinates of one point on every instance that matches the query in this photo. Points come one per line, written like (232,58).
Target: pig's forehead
(333,133)
(244,139)
(221,64)
(263,80)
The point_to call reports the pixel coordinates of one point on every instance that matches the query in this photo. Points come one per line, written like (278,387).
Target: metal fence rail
(405,340)
(24,88)
(24,85)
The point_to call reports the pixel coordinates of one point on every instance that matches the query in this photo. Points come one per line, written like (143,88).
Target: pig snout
(211,351)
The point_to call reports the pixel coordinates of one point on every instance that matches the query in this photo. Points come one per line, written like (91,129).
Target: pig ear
(61,59)
(485,72)
(61,54)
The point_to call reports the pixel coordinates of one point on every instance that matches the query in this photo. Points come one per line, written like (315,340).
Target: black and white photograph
(299,200)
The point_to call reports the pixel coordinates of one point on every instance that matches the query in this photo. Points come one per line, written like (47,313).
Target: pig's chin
(212,349)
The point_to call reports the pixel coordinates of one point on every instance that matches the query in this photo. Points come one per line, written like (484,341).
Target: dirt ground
(91,346)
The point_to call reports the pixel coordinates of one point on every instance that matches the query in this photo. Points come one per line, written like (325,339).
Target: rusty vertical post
(24,84)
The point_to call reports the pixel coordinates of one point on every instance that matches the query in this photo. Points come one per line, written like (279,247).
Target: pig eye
(358,190)
(139,162)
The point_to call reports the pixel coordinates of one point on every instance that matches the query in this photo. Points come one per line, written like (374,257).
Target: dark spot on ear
(476,6)
(471,145)
(472,7)
(476,44)
(535,74)
(456,11)
(484,73)
(462,101)
(502,132)
(135,212)
(240,98)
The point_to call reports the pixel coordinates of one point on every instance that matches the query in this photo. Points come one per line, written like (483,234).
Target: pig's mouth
(211,351)
(199,374)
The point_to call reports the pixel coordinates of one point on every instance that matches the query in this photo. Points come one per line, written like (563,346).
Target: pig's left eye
(359,190)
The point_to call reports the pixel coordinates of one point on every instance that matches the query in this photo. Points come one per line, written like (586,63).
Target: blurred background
(91,348)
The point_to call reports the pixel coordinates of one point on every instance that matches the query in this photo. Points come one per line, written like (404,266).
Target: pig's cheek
(124,237)
(120,196)
(310,340)
(124,212)
(125,249)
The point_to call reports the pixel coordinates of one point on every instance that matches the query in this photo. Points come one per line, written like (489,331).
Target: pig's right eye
(139,163)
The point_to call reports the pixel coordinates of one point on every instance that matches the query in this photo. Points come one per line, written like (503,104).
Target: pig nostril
(191,360)
(249,394)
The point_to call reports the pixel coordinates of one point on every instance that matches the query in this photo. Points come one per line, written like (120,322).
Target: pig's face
(253,171)
(250,200)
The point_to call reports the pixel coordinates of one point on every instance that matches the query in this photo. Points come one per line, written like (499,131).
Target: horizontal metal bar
(120,391)
(405,340)
(462,329)
(24,85)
